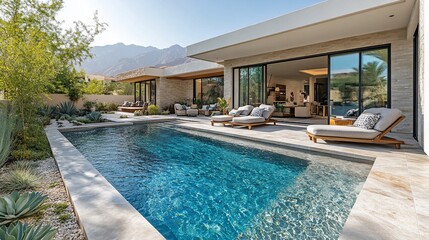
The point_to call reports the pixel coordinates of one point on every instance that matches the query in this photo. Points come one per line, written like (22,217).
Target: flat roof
(326,21)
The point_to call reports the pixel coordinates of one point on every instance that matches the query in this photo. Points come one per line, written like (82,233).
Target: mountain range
(111,60)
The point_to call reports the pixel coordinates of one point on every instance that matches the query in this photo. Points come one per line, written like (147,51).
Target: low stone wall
(55,99)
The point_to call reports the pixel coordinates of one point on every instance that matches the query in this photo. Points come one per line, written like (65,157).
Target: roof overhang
(141,74)
(194,69)
(326,21)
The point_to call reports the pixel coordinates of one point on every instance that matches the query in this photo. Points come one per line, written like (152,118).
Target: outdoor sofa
(183,110)
(388,119)
(132,107)
(226,119)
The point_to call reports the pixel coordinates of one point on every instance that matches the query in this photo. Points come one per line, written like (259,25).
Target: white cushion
(221,118)
(248,119)
(269,109)
(387,117)
(246,109)
(342,131)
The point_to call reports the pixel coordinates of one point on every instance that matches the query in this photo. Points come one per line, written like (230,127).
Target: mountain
(111,60)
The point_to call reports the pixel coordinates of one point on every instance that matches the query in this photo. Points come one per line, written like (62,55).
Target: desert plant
(138,113)
(64,217)
(89,104)
(60,207)
(112,107)
(23,165)
(18,180)
(31,143)
(153,109)
(16,206)
(7,125)
(47,111)
(67,108)
(95,117)
(22,231)
(223,104)
(101,107)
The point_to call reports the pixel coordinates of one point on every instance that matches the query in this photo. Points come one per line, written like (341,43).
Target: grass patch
(60,207)
(19,180)
(64,217)
(23,165)
(52,185)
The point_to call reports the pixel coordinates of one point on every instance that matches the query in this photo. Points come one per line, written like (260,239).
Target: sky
(162,23)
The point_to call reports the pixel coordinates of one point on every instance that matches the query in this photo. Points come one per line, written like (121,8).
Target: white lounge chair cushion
(221,118)
(268,110)
(248,119)
(342,131)
(387,117)
(246,110)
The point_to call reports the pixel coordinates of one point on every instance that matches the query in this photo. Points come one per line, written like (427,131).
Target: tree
(35,48)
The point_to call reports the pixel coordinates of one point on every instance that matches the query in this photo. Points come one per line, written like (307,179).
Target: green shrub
(153,109)
(100,107)
(112,107)
(7,126)
(64,217)
(89,104)
(19,180)
(16,206)
(20,231)
(123,116)
(31,143)
(138,113)
(95,117)
(83,120)
(67,108)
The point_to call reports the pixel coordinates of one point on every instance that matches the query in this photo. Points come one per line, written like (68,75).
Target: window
(207,90)
(358,81)
(145,91)
(251,83)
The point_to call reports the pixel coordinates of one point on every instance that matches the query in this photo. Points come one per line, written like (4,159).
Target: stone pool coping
(393,203)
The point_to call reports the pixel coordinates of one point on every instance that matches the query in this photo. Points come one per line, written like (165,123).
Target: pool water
(194,187)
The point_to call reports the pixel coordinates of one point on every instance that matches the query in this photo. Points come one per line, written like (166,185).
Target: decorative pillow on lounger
(235,112)
(367,120)
(257,112)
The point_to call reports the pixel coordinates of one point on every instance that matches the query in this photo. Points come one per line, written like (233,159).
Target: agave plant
(21,231)
(47,111)
(95,117)
(7,126)
(16,206)
(67,108)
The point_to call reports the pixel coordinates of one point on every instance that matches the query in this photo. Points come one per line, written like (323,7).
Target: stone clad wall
(401,65)
(170,91)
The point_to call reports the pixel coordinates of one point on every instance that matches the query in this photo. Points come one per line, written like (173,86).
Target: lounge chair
(226,119)
(251,121)
(179,111)
(388,120)
(132,107)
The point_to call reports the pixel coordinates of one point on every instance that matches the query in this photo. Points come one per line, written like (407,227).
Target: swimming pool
(203,186)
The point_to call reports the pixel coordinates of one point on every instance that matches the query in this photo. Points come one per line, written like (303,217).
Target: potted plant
(223,105)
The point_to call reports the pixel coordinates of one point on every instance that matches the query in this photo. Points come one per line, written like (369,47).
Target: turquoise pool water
(194,187)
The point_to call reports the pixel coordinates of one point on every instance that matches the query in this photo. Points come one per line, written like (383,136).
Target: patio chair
(389,118)
(179,110)
(251,121)
(226,119)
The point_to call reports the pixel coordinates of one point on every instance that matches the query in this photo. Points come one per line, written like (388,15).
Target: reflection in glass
(152,92)
(208,90)
(344,85)
(244,86)
(374,78)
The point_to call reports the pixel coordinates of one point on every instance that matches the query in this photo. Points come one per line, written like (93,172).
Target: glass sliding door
(208,90)
(251,85)
(374,72)
(152,91)
(358,81)
(344,84)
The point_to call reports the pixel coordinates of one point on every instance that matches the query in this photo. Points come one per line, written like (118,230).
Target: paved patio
(394,201)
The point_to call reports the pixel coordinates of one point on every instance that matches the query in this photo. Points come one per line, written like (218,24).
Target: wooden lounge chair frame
(224,123)
(380,139)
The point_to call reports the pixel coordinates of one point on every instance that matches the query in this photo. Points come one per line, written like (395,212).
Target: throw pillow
(184,107)
(367,120)
(257,112)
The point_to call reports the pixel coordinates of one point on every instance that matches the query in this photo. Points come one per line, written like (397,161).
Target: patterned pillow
(367,120)
(257,112)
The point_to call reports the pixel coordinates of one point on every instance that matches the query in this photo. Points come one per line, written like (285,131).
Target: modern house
(182,83)
(346,56)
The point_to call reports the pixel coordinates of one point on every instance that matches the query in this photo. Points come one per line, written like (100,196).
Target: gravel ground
(52,185)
